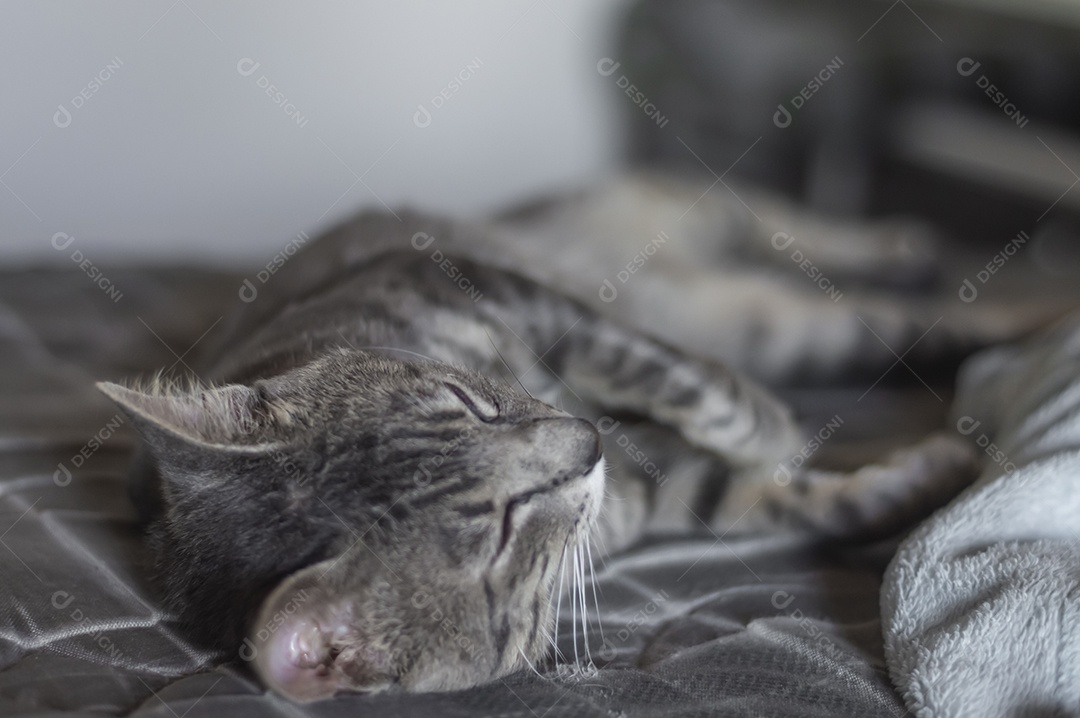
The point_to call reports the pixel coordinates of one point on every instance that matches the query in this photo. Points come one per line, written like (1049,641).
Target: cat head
(363,522)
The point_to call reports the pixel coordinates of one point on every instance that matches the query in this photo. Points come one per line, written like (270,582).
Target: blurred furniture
(965,112)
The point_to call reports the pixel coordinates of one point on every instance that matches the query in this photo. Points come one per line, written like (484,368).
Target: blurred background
(206,131)
(187,130)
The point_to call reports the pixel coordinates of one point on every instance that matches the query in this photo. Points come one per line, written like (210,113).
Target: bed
(698,624)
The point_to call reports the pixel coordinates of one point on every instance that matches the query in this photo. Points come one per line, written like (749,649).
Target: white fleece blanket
(981,605)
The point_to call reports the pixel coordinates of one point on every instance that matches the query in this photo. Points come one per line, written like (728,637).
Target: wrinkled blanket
(981,605)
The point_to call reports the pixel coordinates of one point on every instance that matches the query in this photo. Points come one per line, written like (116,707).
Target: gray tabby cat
(361,498)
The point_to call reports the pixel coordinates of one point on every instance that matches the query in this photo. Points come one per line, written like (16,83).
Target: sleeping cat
(376,486)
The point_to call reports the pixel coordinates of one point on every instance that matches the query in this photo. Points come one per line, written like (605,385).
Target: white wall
(178,155)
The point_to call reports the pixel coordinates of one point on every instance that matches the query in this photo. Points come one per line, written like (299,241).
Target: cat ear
(221,416)
(306,647)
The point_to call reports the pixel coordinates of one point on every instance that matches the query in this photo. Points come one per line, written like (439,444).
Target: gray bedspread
(692,625)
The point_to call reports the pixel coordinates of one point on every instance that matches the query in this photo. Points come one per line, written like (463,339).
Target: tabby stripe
(473,510)
(621,357)
(446,415)
(502,638)
(447,435)
(647,376)
(489,594)
(535,621)
(407,459)
(443,490)
(500,630)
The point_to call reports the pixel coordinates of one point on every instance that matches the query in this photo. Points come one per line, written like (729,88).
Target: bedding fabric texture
(981,605)
(698,625)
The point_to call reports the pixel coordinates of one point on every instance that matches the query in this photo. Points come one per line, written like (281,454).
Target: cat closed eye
(483,410)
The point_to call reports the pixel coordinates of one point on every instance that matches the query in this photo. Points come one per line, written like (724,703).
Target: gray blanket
(981,605)
(692,625)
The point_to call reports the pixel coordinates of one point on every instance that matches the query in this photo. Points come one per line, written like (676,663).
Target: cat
(373,486)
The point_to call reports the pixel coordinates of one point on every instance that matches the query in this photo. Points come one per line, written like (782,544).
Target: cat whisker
(592,581)
(555,644)
(573,608)
(582,598)
(558,603)
(599,536)
(577,600)
(499,353)
(580,618)
(610,495)
(530,664)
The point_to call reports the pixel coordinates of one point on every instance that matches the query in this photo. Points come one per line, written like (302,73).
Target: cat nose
(592,446)
(573,438)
